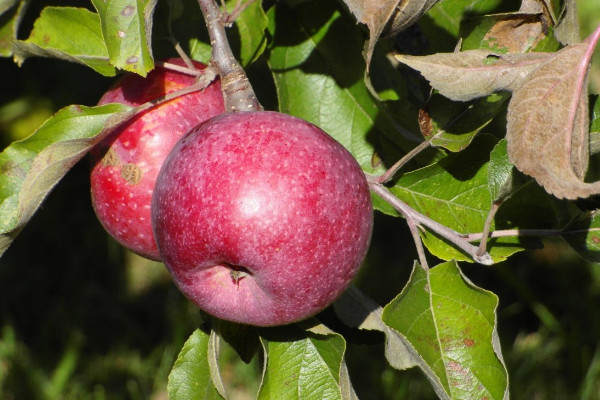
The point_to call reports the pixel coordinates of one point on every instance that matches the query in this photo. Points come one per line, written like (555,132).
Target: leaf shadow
(329,56)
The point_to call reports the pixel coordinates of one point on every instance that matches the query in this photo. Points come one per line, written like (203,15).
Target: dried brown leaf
(516,32)
(567,29)
(474,73)
(547,129)
(386,17)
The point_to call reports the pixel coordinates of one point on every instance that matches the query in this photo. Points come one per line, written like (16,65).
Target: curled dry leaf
(474,73)
(386,17)
(547,129)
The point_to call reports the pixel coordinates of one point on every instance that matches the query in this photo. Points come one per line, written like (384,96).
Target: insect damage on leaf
(547,128)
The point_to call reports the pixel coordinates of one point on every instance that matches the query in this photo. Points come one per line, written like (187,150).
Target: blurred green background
(80,318)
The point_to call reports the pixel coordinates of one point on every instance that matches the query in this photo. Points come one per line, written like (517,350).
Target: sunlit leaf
(30,168)
(127,31)
(454,192)
(452,325)
(11,14)
(68,33)
(301,365)
(190,378)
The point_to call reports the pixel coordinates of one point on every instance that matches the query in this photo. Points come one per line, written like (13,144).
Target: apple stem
(237,90)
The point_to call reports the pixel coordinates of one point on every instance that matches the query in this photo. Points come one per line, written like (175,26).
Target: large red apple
(126,163)
(262,218)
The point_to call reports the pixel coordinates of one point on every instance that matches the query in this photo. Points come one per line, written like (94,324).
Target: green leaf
(190,378)
(452,325)
(127,31)
(251,25)
(453,125)
(68,33)
(583,234)
(454,192)
(30,168)
(301,364)
(11,14)
(318,71)
(448,14)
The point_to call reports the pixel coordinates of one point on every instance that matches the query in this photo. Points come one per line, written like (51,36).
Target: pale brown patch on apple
(131,173)
(110,159)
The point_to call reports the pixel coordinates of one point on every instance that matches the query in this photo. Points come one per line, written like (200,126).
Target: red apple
(261,218)
(126,163)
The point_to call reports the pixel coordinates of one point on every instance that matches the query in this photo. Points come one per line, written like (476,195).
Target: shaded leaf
(547,128)
(474,73)
(453,125)
(242,338)
(30,168)
(127,31)
(452,325)
(68,33)
(503,179)
(11,14)
(583,234)
(190,378)
(448,15)
(301,365)
(357,310)
(319,77)
(212,357)
(386,17)
(251,24)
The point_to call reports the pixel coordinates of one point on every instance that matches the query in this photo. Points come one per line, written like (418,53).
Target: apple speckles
(272,193)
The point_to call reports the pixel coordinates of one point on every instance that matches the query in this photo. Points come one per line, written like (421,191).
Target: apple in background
(261,218)
(126,163)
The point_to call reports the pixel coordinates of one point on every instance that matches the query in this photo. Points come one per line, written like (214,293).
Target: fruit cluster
(260,217)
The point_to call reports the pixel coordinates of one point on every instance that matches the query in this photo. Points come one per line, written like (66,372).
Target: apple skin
(126,163)
(261,218)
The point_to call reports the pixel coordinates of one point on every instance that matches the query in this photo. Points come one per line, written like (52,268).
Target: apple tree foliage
(469,194)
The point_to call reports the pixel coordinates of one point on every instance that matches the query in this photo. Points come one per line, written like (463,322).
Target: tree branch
(237,91)
(450,235)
